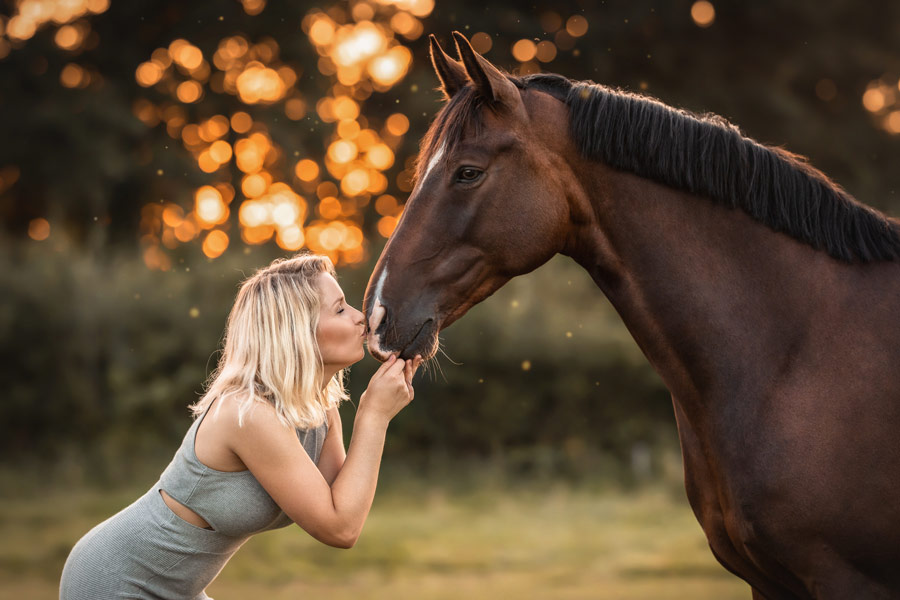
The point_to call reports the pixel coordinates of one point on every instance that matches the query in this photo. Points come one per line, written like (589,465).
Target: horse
(763,294)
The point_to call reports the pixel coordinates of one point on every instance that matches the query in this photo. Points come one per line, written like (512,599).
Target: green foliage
(104,356)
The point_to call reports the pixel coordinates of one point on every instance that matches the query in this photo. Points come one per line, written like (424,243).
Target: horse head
(490,203)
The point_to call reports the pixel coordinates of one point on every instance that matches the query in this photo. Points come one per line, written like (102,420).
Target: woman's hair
(271,354)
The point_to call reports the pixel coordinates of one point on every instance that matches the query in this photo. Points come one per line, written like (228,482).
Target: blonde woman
(265,449)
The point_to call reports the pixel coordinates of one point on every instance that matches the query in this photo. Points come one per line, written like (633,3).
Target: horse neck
(715,300)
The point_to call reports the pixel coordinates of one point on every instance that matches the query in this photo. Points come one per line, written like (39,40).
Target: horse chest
(742,528)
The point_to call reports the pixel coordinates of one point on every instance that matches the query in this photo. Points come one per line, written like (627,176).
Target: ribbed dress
(148,552)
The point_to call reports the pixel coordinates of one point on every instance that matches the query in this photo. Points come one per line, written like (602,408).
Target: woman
(265,449)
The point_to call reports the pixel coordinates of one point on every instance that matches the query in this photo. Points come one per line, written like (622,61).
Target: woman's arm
(332,514)
(333,453)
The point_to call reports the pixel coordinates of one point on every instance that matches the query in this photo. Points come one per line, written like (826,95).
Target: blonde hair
(271,354)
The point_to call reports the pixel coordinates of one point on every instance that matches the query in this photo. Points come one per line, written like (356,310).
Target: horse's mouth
(422,343)
(416,345)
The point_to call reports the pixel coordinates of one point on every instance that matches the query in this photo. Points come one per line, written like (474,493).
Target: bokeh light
(360,53)
(703,13)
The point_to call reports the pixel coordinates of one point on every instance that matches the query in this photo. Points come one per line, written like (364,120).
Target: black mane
(701,154)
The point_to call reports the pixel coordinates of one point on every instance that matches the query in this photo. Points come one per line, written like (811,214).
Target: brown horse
(765,297)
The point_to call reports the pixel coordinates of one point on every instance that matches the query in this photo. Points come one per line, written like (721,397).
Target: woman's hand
(390,388)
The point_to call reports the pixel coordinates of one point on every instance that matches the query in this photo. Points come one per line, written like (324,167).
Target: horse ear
(489,81)
(451,73)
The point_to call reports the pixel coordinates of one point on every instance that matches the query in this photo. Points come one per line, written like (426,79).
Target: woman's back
(147,551)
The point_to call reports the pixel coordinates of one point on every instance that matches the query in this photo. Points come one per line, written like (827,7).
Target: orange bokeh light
(39,229)
(215,243)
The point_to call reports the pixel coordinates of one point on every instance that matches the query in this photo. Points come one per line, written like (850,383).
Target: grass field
(523,541)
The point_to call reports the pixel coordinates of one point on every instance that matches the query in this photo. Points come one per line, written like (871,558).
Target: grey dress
(146,551)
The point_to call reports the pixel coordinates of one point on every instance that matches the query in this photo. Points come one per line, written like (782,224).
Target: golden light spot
(378,183)
(19,28)
(39,229)
(345,108)
(348,129)
(892,122)
(72,76)
(482,42)
(355,182)
(253,7)
(321,32)
(191,135)
(253,214)
(576,26)
(329,208)
(358,43)
(186,231)
(257,235)
(325,109)
(156,259)
(873,99)
(173,215)
(386,206)
(250,155)
(260,84)
(241,122)
(526,365)
(380,156)
(362,11)
(68,37)
(207,163)
(390,67)
(220,151)
(386,226)
(568,334)
(285,213)
(209,207)
(290,238)
(397,124)
(307,170)
(703,13)
(215,243)
(332,236)
(188,56)
(342,151)
(550,21)
(406,25)
(254,185)
(366,139)
(295,109)
(194,312)
(524,50)
(353,238)
(514,304)
(546,51)
(189,91)
(326,188)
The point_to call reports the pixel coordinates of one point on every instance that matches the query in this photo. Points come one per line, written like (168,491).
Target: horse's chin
(424,344)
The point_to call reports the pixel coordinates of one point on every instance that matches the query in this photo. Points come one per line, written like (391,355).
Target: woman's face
(342,328)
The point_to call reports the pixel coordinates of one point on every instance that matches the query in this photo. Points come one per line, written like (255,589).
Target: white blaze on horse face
(434,160)
(376,317)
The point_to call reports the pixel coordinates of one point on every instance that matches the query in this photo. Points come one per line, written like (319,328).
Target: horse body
(782,368)
(781,360)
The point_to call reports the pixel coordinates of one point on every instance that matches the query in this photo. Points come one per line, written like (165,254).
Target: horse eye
(468,174)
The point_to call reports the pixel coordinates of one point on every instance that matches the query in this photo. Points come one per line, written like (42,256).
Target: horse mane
(701,154)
